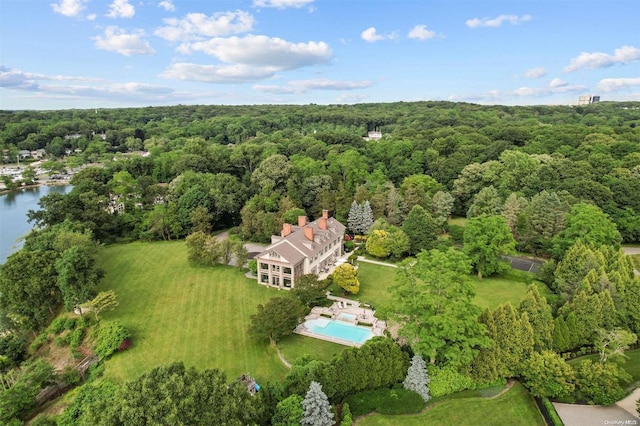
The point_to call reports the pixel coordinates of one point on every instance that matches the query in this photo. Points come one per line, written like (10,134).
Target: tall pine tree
(317,410)
(417,378)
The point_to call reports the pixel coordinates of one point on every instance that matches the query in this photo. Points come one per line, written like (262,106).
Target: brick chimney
(286,229)
(302,221)
(308,233)
(325,214)
(322,223)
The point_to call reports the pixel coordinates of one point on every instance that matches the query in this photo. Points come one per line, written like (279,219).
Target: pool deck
(359,316)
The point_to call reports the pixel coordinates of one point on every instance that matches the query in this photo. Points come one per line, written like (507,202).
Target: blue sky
(57,54)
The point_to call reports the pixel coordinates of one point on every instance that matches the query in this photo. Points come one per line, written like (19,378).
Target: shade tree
(433,305)
(276,318)
(487,240)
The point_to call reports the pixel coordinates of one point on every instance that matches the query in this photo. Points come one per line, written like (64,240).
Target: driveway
(621,413)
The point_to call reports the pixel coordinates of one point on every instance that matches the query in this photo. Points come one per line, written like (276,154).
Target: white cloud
(121,9)
(236,73)
(263,51)
(196,26)
(351,98)
(371,35)
(556,82)
(304,86)
(281,4)
(497,22)
(616,84)
(595,60)
(13,78)
(499,96)
(118,40)
(130,92)
(167,5)
(421,32)
(535,72)
(70,8)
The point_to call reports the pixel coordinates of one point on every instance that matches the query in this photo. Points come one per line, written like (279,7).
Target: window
(275,281)
(275,268)
(264,278)
(286,270)
(287,282)
(264,266)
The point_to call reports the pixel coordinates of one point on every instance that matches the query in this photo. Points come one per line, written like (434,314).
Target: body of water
(13,215)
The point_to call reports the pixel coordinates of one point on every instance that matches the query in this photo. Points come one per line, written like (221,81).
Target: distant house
(38,154)
(374,135)
(23,153)
(73,136)
(309,248)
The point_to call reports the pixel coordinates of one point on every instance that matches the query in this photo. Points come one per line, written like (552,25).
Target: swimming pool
(339,330)
(346,316)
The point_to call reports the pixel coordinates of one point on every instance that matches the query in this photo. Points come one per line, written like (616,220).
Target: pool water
(339,330)
(346,316)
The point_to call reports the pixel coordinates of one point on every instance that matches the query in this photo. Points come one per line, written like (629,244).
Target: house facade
(309,248)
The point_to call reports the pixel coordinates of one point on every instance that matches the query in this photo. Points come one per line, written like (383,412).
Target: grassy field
(490,292)
(295,346)
(514,407)
(178,312)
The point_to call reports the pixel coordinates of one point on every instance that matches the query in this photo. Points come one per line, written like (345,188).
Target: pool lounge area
(344,323)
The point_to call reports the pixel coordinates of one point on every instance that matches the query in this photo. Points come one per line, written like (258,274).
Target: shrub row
(551,411)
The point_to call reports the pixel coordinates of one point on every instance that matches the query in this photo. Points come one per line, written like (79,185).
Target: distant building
(588,99)
(374,135)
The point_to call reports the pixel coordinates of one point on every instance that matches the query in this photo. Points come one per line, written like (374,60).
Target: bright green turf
(490,292)
(513,408)
(295,346)
(179,312)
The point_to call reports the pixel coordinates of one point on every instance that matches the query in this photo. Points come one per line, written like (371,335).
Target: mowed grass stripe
(180,312)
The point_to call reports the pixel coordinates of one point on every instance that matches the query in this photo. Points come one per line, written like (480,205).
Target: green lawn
(490,292)
(295,346)
(515,407)
(179,312)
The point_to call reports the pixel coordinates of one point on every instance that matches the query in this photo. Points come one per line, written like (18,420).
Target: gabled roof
(295,247)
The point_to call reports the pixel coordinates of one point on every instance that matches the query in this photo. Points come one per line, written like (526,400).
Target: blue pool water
(339,330)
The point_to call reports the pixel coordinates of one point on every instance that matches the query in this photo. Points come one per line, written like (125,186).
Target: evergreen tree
(417,378)
(367,217)
(421,230)
(317,410)
(355,217)
(540,317)
(360,217)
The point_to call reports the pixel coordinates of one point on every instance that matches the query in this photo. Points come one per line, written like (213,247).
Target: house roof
(295,247)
